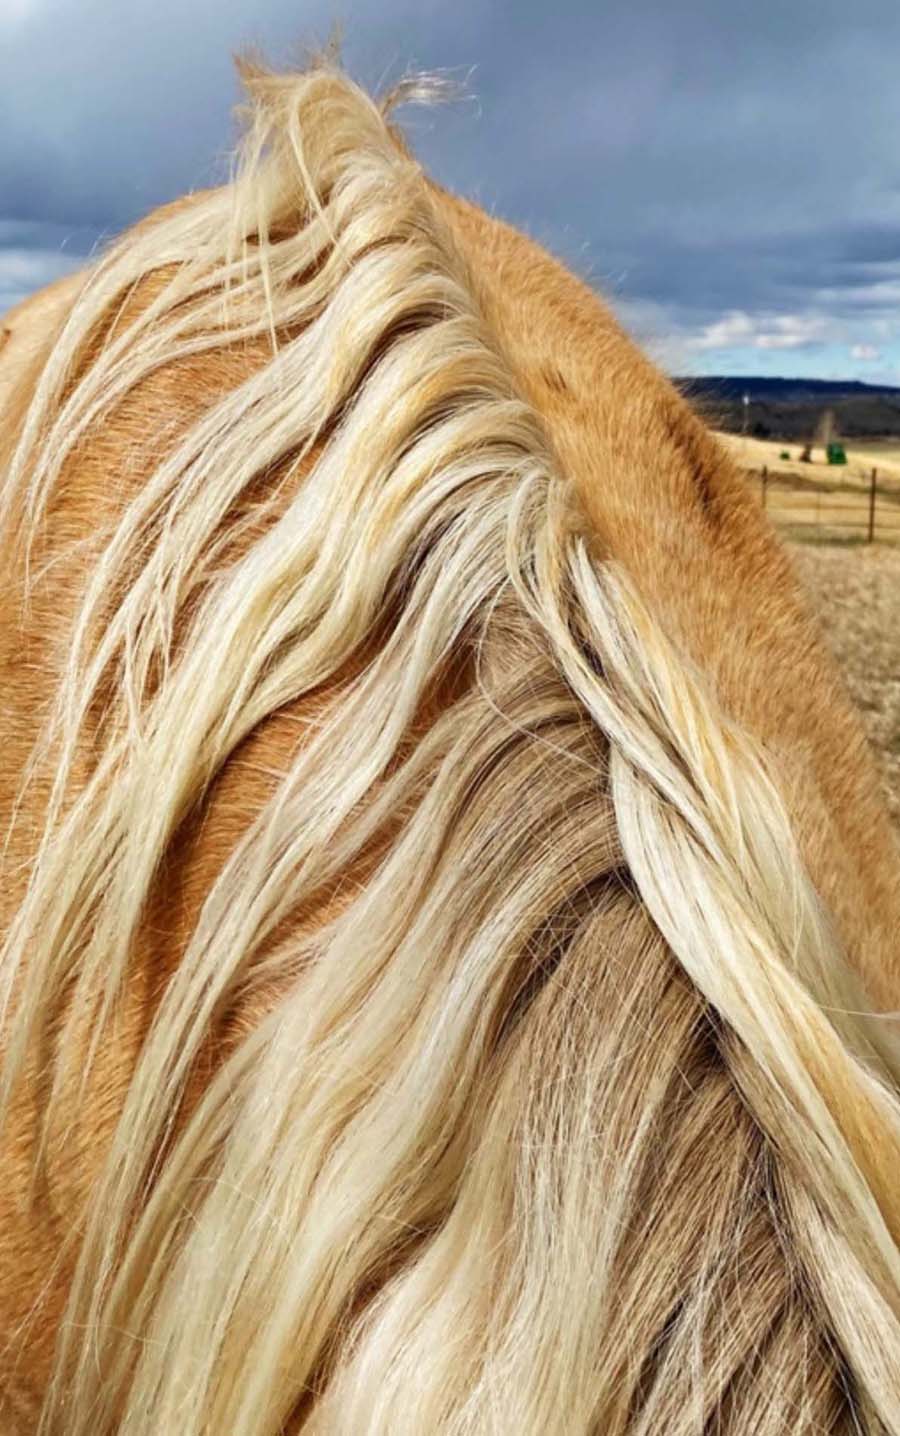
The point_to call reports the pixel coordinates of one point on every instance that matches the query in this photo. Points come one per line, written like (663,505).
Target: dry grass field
(854,586)
(856,594)
(861,456)
(879,451)
(819,501)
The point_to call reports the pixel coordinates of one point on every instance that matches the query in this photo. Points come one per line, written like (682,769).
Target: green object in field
(835,453)
(784,454)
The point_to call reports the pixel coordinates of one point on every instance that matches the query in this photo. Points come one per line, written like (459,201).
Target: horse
(449,916)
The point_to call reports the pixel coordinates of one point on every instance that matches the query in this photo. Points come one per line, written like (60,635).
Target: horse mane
(509,1075)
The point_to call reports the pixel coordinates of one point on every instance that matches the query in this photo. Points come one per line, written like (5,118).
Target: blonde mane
(505,1072)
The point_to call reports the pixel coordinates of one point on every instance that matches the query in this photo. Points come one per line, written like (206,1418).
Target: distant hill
(790,408)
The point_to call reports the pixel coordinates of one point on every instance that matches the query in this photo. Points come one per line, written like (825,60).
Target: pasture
(854,587)
(856,595)
(822,503)
(861,456)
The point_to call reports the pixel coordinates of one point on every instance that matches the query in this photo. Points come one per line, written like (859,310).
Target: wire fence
(847,510)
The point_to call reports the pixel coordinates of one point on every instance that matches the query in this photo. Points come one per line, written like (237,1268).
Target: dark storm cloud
(695,160)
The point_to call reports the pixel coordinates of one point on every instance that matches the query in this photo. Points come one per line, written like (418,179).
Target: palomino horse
(450,923)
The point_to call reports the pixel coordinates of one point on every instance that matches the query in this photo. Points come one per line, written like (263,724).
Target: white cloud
(23,268)
(22,271)
(657,328)
(14,11)
(817,340)
(738,329)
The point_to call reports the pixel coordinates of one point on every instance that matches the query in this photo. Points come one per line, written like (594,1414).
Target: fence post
(765,482)
(872,492)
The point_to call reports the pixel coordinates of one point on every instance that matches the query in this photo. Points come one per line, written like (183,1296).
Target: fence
(847,510)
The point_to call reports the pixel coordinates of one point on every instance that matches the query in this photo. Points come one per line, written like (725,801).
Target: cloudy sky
(727,174)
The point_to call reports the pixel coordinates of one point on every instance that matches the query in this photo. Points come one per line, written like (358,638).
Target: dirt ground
(856,593)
